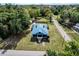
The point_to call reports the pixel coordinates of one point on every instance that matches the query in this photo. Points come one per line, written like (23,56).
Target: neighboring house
(39,32)
(76,27)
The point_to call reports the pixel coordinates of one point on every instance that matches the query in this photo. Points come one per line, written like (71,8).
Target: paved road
(61,31)
(21,53)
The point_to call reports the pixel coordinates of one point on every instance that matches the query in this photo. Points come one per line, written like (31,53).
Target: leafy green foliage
(51,53)
(46,12)
(13,20)
(69,16)
(34,12)
(72,48)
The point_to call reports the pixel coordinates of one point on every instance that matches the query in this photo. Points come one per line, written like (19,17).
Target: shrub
(13,22)
(71,49)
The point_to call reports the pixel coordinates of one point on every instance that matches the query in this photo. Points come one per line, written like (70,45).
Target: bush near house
(71,48)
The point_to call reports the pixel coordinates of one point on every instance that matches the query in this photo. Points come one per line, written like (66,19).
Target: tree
(13,20)
(34,12)
(71,49)
(4,31)
(46,12)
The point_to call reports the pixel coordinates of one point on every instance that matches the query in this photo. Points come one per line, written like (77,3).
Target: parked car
(39,32)
(76,27)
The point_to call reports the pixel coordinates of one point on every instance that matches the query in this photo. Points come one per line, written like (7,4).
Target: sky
(50,2)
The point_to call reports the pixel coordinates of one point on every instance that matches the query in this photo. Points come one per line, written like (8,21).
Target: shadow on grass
(11,42)
(1,41)
(36,40)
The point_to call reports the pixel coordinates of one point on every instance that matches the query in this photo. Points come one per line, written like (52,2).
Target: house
(39,32)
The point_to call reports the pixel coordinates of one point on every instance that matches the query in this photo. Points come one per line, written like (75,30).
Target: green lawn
(24,43)
(72,34)
(56,41)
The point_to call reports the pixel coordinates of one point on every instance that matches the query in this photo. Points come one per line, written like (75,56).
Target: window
(44,35)
(36,26)
(34,35)
(43,26)
(39,35)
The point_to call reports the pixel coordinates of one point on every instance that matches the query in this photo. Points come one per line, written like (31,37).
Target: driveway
(21,53)
(61,31)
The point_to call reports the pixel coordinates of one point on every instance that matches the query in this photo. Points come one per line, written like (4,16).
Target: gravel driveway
(61,31)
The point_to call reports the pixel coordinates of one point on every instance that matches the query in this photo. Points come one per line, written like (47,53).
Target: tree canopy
(13,20)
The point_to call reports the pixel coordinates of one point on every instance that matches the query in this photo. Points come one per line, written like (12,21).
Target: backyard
(24,43)
(72,34)
(56,41)
(16,33)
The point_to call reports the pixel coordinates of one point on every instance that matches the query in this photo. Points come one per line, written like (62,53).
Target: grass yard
(56,41)
(23,42)
(72,34)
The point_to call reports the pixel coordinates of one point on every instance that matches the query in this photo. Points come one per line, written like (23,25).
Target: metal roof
(42,28)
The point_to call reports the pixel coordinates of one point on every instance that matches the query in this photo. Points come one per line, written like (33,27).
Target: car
(39,32)
(76,27)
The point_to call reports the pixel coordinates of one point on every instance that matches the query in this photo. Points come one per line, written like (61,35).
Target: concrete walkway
(61,31)
(21,53)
